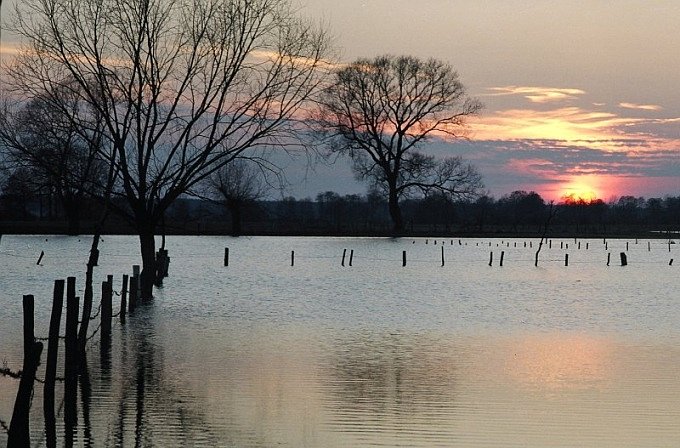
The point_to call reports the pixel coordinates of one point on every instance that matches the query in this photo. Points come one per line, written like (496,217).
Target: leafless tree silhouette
(182,87)
(379,112)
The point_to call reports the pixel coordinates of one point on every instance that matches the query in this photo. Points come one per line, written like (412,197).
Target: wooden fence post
(51,366)
(123,298)
(19,432)
(133,293)
(71,357)
(226,256)
(106,311)
(624,259)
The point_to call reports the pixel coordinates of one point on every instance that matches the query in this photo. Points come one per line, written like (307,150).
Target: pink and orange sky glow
(581,97)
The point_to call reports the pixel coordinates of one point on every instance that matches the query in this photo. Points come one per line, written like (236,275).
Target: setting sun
(579,195)
(580,190)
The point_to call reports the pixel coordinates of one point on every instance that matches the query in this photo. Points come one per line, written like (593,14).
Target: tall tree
(380,111)
(182,87)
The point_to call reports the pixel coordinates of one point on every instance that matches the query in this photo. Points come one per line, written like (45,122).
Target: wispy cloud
(566,124)
(640,106)
(537,94)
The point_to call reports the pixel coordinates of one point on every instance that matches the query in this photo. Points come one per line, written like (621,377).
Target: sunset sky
(580,96)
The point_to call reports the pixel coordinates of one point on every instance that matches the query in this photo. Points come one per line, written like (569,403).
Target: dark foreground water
(262,354)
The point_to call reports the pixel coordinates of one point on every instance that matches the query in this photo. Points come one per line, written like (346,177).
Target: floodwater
(265,354)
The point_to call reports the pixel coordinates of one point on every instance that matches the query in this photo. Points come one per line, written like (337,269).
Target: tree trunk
(235,211)
(72,212)
(148,246)
(395,212)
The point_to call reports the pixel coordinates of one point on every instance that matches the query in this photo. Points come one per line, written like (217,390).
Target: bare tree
(38,137)
(237,185)
(379,112)
(182,87)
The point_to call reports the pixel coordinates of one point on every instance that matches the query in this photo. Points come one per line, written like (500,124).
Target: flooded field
(262,353)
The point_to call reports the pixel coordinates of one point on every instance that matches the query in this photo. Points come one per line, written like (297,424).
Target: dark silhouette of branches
(181,88)
(379,112)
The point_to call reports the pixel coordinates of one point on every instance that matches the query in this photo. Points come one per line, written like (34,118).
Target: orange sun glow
(580,191)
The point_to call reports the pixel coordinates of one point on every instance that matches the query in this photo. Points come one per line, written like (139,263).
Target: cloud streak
(537,94)
(651,107)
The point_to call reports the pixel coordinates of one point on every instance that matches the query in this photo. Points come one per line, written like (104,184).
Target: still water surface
(262,354)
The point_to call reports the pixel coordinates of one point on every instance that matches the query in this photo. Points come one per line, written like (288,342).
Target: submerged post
(403,258)
(42,254)
(19,432)
(442,256)
(51,366)
(106,310)
(609,258)
(71,359)
(133,293)
(566,259)
(226,256)
(491,258)
(123,298)
(624,259)
(502,256)
(292,258)
(344,253)
(351,256)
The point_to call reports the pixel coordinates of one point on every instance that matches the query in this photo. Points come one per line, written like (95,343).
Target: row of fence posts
(74,353)
(623,257)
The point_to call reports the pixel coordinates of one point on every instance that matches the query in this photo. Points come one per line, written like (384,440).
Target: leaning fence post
(351,256)
(491,258)
(344,253)
(502,256)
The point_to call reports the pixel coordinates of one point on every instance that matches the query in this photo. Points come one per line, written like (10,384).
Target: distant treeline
(521,213)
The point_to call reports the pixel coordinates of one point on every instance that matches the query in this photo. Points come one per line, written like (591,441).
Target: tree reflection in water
(392,384)
(129,397)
